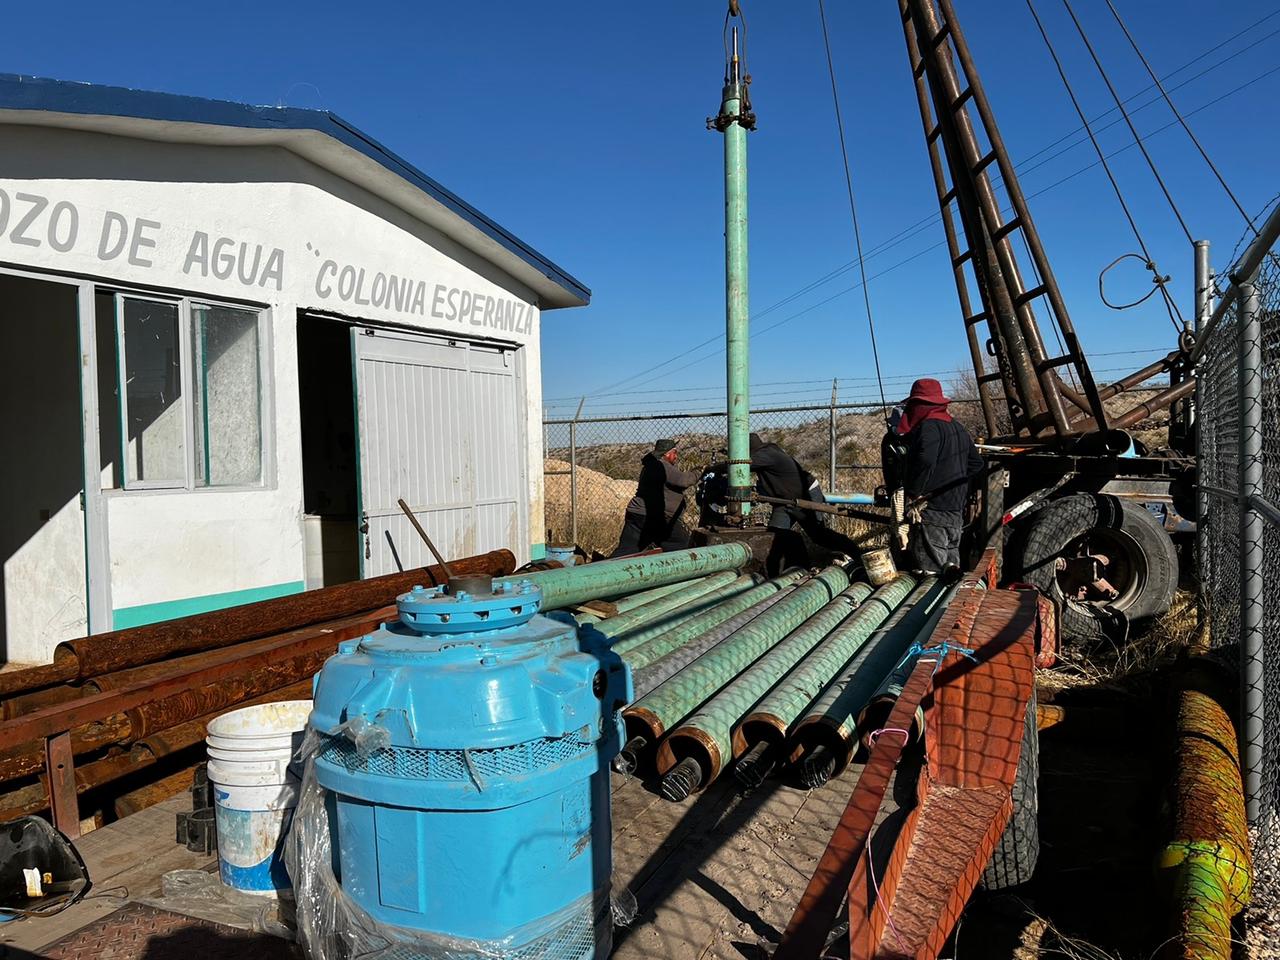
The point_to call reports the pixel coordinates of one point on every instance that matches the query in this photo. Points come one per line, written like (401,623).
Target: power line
(1169,100)
(920,225)
(1102,158)
(1106,78)
(848,182)
(889,378)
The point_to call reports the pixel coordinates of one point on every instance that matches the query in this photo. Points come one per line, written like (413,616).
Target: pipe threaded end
(682,779)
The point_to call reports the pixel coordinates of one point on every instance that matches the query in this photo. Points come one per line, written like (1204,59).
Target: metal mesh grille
(1239,386)
(573,939)
(412,763)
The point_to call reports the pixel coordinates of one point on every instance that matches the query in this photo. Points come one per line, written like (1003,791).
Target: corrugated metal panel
(440,425)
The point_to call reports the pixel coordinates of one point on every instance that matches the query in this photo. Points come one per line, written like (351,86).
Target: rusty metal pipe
(1208,856)
(34,798)
(119,649)
(1160,401)
(230,665)
(161,743)
(163,712)
(28,758)
(16,706)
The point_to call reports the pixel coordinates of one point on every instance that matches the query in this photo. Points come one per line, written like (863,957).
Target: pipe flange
(433,610)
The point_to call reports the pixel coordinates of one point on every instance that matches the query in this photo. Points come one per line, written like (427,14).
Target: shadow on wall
(42,595)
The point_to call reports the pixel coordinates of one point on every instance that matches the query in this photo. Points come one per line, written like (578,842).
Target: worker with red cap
(939,459)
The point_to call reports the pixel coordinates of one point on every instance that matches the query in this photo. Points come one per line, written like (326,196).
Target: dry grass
(1147,650)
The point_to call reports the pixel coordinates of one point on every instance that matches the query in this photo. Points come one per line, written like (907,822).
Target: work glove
(901,531)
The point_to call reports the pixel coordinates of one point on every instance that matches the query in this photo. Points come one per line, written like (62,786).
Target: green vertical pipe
(707,734)
(676,698)
(659,640)
(832,720)
(681,609)
(737,367)
(646,614)
(614,578)
(773,715)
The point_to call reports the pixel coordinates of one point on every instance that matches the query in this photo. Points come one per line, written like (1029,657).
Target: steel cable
(853,207)
(1181,120)
(1175,315)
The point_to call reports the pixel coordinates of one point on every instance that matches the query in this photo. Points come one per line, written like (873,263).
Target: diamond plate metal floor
(141,932)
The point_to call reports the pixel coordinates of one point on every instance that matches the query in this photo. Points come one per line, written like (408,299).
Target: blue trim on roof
(19,92)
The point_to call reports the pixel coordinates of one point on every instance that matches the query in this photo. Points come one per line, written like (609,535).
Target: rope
(871,866)
(1106,78)
(853,207)
(1181,120)
(1175,315)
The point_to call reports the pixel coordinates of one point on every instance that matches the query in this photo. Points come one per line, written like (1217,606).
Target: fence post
(831,435)
(573,475)
(1204,291)
(1251,548)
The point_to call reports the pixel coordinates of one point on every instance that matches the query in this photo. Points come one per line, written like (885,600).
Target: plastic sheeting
(332,926)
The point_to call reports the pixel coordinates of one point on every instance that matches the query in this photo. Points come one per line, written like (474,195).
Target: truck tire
(1014,859)
(1143,560)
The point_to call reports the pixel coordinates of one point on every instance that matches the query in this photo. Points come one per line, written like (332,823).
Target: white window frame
(186,350)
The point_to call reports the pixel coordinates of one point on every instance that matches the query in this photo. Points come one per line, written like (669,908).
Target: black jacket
(660,490)
(778,474)
(941,460)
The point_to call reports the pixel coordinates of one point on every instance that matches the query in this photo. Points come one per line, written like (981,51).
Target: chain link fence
(1238,432)
(592,462)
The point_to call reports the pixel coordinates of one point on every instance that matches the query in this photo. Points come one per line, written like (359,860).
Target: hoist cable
(1171,305)
(1181,120)
(853,207)
(1106,78)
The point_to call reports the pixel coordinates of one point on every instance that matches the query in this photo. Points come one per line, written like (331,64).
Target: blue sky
(579,125)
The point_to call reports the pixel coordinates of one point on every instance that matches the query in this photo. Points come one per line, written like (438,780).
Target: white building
(231,338)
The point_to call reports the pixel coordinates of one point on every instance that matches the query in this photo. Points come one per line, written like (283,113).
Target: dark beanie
(755,443)
(664,446)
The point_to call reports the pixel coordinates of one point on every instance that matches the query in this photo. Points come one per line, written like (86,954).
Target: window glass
(227,405)
(154,422)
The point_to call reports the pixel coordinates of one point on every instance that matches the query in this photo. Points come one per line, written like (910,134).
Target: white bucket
(254,791)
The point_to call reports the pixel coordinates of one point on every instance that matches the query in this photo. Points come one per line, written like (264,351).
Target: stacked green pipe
(569,586)
(706,736)
(585,617)
(773,716)
(1208,857)
(645,614)
(674,699)
(830,724)
(671,663)
(652,643)
(631,601)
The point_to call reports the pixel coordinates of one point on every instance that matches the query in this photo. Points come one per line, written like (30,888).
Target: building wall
(256,224)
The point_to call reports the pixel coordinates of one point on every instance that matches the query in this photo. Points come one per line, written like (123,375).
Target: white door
(440,427)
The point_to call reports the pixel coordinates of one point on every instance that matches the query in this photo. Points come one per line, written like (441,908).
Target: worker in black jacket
(940,461)
(778,474)
(653,515)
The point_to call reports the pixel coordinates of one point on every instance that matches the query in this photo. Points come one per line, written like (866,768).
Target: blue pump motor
(482,812)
